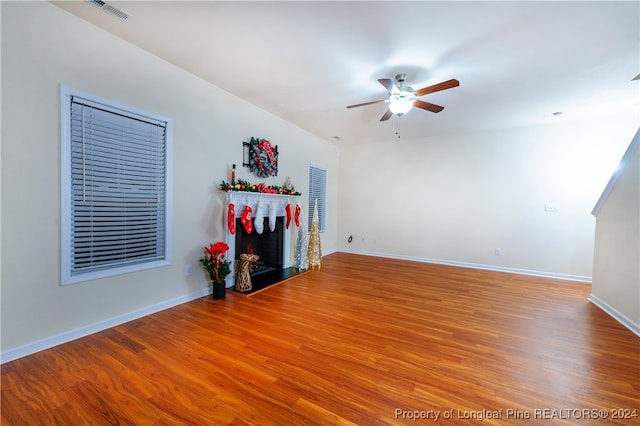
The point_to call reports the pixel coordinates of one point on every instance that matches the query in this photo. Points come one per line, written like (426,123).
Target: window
(318,191)
(116,193)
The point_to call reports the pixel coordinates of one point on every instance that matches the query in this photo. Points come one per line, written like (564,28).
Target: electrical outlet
(188,270)
(498,251)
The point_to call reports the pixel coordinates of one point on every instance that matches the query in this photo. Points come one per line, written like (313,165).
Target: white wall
(455,199)
(44,47)
(616,270)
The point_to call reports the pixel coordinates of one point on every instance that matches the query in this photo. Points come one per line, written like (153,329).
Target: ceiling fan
(402,98)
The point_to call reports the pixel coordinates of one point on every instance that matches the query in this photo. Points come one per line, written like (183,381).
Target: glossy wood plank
(350,343)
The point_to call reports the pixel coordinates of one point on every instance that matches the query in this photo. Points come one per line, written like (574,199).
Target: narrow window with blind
(318,193)
(116,195)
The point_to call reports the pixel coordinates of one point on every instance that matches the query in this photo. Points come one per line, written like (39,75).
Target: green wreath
(263,158)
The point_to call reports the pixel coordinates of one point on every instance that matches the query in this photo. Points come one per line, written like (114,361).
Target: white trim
(543,274)
(615,314)
(67,336)
(633,146)
(328,252)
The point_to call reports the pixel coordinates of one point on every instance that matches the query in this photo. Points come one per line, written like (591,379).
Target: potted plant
(216,267)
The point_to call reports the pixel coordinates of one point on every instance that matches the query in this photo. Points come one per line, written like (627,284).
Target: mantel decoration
(262,157)
(247,216)
(243,185)
(216,267)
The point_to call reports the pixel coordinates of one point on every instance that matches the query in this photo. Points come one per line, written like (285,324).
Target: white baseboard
(615,314)
(474,266)
(328,252)
(67,336)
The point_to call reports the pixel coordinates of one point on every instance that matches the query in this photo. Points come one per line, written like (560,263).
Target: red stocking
(297,217)
(245,218)
(231,218)
(288,210)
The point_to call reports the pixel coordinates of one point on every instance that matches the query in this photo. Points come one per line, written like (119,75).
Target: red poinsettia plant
(214,262)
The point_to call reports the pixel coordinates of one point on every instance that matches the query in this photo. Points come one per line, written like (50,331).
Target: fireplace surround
(278,246)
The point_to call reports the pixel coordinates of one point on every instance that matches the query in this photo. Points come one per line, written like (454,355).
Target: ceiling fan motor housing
(401,78)
(407,90)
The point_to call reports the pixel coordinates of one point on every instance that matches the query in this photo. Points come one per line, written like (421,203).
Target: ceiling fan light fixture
(400,105)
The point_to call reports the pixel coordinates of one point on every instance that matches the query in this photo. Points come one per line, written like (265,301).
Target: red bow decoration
(263,158)
(265,145)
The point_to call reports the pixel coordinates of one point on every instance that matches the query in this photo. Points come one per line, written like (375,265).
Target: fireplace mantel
(240,200)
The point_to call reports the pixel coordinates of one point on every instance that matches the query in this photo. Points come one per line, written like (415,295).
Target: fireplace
(268,245)
(274,248)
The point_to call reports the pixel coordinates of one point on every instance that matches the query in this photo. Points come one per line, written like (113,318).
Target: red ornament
(231,218)
(245,218)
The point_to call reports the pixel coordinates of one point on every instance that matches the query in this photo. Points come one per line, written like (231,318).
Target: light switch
(551,207)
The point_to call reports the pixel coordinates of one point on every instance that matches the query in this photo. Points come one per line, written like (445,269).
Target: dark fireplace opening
(269,246)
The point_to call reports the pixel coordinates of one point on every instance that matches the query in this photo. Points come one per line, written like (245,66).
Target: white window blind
(317,191)
(117,190)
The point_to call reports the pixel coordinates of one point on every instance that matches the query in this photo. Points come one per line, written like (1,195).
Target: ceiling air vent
(123,16)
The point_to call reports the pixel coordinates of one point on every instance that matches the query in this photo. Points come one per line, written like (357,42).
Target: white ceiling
(517,62)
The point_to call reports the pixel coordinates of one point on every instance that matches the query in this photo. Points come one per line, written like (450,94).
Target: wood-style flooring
(363,340)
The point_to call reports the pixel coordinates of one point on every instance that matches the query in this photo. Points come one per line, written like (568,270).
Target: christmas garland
(263,158)
(245,186)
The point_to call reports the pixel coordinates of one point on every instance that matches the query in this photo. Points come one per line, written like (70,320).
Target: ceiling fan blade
(387,115)
(388,84)
(367,103)
(438,87)
(428,106)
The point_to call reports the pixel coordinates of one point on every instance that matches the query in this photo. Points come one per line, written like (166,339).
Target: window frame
(67,275)
(322,205)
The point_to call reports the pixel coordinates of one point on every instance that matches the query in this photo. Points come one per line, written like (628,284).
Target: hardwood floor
(363,340)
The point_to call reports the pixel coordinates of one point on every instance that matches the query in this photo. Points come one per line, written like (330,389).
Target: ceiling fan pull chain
(398,126)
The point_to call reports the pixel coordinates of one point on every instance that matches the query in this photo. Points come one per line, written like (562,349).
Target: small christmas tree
(301,261)
(314,250)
